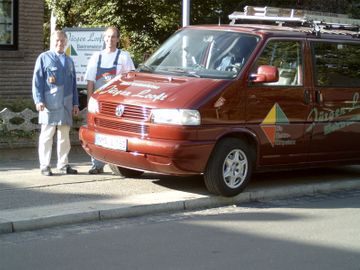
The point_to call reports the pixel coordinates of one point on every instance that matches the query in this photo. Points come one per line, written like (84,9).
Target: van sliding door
(336,115)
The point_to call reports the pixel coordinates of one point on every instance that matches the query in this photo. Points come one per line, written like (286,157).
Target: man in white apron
(56,98)
(102,67)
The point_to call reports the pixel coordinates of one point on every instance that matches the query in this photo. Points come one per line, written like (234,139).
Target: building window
(8,24)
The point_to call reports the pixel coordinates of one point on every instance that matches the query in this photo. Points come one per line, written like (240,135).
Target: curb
(27,219)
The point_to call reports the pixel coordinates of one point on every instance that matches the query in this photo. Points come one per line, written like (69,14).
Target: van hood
(153,90)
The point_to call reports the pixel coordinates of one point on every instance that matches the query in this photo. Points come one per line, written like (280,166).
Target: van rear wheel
(117,170)
(229,168)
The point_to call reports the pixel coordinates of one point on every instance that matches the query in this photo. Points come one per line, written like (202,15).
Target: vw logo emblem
(119,110)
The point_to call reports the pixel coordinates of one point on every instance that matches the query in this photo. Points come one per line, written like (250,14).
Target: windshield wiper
(147,68)
(181,71)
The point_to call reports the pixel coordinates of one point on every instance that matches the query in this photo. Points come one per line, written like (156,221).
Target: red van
(276,88)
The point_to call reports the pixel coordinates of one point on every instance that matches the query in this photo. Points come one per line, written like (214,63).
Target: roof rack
(317,20)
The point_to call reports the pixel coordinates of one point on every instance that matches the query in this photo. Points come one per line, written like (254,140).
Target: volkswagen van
(274,89)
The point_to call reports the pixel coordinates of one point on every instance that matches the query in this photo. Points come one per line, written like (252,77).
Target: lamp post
(185,22)
(52,21)
(185,13)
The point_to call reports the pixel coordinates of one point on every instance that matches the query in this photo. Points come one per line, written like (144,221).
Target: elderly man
(56,98)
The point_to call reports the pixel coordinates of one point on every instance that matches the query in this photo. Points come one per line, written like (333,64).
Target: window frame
(313,53)
(301,42)
(15,27)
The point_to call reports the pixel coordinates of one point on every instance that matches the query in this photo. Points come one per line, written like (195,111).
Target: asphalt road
(307,232)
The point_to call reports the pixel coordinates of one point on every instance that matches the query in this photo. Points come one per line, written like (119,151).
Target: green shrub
(14,135)
(17,105)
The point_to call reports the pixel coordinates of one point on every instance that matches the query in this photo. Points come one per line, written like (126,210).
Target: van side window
(336,64)
(287,57)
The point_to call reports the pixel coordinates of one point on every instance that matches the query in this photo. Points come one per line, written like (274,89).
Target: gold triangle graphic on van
(275,115)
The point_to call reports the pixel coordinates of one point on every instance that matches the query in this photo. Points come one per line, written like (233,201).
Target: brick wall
(16,67)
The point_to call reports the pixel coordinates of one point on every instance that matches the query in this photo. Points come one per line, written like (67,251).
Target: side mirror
(265,74)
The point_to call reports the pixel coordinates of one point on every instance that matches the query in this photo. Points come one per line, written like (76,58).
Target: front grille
(140,128)
(131,111)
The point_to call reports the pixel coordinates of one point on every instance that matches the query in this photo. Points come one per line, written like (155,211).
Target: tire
(229,168)
(125,172)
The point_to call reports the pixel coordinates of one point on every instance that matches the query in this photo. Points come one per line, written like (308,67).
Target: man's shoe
(95,170)
(68,170)
(47,171)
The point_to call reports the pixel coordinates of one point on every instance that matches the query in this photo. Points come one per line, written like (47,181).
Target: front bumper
(171,157)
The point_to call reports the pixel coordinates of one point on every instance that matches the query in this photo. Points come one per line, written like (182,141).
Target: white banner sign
(82,43)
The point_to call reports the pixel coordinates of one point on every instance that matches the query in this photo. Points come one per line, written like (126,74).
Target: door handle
(318,97)
(307,97)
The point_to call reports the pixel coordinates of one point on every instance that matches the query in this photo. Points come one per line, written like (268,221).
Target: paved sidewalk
(31,201)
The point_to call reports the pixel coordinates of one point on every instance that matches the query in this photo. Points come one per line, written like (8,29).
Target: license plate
(111,142)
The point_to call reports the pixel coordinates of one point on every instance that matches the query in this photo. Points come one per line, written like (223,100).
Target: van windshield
(202,53)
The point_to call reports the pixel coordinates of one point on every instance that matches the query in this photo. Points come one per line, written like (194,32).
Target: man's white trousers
(46,143)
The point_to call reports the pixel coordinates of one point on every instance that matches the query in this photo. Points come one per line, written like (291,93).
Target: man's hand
(40,106)
(76,110)
(90,89)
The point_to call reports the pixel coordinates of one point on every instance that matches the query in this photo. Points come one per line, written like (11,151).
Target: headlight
(176,117)
(93,105)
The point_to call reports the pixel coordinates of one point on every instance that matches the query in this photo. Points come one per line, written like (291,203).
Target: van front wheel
(125,172)
(229,168)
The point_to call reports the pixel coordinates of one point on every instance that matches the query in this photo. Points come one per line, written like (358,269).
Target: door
(336,114)
(277,111)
